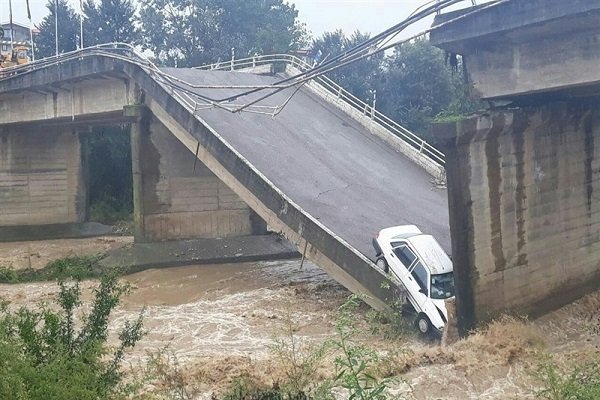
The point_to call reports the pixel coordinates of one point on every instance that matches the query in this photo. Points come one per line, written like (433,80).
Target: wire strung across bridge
(186,91)
(366,49)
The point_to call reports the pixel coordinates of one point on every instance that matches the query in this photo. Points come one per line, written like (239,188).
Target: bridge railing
(339,94)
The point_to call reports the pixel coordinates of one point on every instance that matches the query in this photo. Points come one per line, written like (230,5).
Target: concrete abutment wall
(523,187)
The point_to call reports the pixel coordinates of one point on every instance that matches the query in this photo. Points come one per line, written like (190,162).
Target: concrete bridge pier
(42,177)
(175,195)
(524,175)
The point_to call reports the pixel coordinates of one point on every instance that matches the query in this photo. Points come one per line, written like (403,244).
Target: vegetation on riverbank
(61,352)
(74,267)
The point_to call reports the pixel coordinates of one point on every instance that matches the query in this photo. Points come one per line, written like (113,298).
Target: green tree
(418,84)
(193,32)
(109,21)
(360,77)
(68,30)
(110,182)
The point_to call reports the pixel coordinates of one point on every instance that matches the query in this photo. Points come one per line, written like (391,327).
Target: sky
(319,16)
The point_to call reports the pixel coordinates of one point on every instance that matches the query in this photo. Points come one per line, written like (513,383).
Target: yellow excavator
(18,56)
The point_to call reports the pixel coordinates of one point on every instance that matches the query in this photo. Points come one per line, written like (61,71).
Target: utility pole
(56,25)
(30,32)
(12,33)
(81,23)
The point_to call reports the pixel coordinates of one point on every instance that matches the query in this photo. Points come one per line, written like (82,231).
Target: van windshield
(442,286)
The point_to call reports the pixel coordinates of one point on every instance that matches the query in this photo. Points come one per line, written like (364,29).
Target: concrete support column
(176,197)
(458,176)
(523,191)
(41,177)
(139,128)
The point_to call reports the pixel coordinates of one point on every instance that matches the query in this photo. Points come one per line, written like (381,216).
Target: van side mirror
(424,291)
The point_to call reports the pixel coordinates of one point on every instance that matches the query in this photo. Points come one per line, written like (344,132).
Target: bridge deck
(329,164)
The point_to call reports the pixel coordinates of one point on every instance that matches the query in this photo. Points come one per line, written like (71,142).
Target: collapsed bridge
(325,173)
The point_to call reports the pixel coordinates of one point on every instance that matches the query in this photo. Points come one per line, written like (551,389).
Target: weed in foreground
(298,360)
(579,383)
(244,390)
(355,362)
(169,378)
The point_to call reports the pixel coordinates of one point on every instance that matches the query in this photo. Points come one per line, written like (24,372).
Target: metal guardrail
(340,94)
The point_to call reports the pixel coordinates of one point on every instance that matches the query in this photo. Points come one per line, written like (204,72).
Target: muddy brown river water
(233,309)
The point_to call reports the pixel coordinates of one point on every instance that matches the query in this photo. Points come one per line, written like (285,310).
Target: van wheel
(382,264)
(423,324)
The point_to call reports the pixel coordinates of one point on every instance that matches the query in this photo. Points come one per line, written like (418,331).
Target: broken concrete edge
(434,169)
(77,230)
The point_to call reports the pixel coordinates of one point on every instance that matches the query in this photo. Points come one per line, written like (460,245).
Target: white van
(422,266)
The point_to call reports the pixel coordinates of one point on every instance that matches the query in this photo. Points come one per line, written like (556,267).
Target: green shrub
(78,268)
(354,364)
(8,275)
(44,356)
(580,383)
